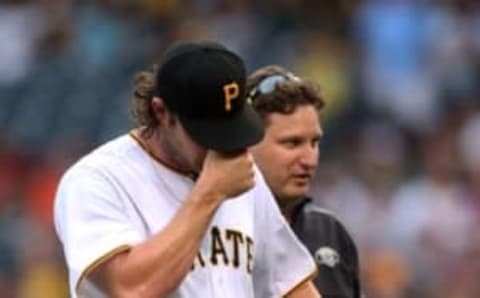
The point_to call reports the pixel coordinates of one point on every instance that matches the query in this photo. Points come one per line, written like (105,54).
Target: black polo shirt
(333,249)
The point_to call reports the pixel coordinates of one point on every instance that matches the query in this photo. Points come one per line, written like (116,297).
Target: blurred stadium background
(400,162)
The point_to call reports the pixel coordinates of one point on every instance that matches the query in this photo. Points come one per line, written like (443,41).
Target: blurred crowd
(400,160)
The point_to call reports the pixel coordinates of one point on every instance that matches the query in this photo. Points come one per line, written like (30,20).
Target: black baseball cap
(203,83)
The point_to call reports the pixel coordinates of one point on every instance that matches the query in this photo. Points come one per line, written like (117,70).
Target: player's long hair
(286,96)
(140,107)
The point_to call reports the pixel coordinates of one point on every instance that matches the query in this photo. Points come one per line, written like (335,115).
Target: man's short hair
(273,89)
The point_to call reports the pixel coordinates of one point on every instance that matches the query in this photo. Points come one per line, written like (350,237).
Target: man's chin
(300,191)
(296,194)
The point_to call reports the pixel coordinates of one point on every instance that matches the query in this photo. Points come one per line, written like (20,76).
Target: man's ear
(162,114)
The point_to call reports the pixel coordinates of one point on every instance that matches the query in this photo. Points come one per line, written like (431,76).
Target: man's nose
(309,156)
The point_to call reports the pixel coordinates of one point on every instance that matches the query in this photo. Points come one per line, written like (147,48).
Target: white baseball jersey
(118,196)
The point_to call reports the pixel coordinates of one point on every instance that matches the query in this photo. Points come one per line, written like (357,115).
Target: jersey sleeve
(92,224)
(281,262)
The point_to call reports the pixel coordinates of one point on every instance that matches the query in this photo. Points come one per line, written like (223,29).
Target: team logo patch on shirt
(327,256)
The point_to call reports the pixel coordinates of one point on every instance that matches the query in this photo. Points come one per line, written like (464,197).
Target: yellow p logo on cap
(230,91)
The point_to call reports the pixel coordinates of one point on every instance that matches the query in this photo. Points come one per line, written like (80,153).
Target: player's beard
(185,158)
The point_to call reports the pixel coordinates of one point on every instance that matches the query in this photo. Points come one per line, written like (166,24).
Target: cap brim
(244,129)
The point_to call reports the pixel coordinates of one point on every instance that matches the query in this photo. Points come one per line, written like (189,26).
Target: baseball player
(177,208)
(288,157)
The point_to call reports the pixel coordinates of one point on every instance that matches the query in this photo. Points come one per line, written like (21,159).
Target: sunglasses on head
(268,84)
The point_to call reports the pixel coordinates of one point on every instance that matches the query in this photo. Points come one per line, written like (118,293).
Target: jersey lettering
(237,239)
(217,247)
(228,247)
(200,260)
(249,255)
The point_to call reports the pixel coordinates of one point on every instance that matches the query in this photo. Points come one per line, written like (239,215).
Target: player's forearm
(305,290)
(156,267)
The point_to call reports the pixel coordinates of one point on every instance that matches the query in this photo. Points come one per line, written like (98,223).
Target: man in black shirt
(288,157)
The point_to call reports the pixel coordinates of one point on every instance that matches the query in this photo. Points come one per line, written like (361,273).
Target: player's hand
(226,175)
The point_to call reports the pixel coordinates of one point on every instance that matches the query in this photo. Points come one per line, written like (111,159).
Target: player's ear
(162,114)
